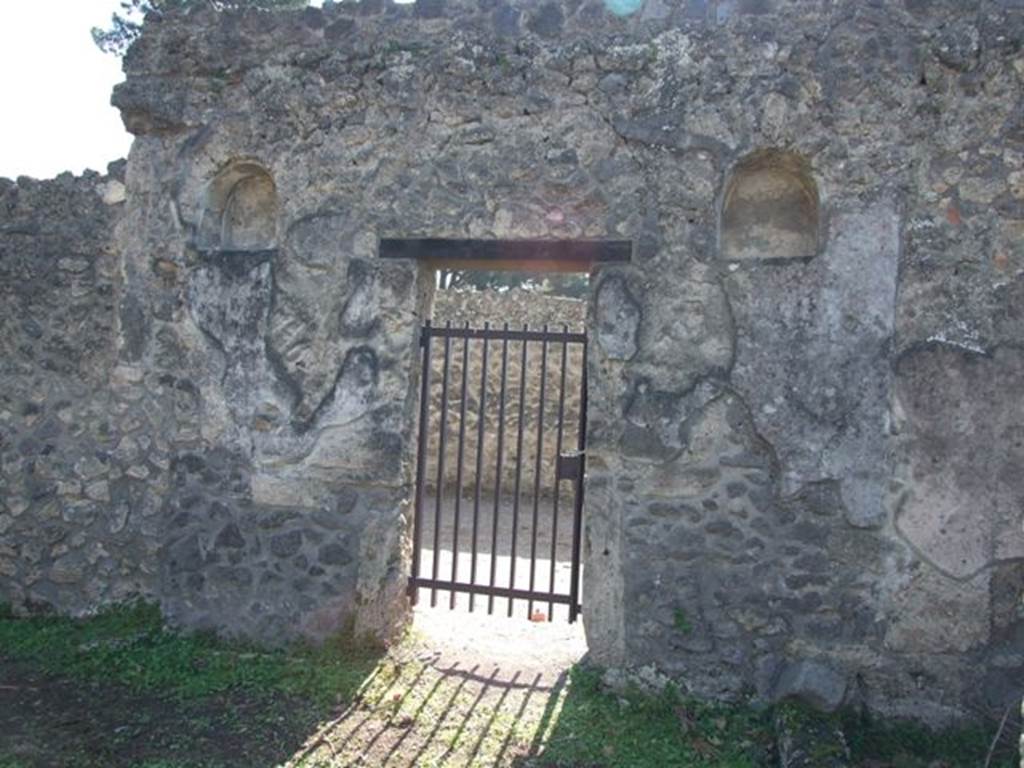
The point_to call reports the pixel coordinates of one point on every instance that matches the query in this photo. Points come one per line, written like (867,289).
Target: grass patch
(131,646)
(909,745)
(899,743)
(155,698)
(635,730)
(681,622)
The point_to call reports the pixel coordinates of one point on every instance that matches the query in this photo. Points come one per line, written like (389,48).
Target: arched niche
(770,209)
(239,210)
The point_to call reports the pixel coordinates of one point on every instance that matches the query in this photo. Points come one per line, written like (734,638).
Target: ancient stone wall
(80,468)
(805,428)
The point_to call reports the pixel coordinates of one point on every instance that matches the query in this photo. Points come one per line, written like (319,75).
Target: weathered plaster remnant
(618,319)
(805,423)
(955,410)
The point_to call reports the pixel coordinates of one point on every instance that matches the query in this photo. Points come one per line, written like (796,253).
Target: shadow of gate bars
(493,474)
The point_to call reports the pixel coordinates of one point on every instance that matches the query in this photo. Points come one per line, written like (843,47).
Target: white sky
(55,89)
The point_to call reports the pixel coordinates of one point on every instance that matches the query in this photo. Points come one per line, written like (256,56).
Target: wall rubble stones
(82,469)
(793,463)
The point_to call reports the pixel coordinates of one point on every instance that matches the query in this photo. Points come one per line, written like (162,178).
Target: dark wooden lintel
(528,255)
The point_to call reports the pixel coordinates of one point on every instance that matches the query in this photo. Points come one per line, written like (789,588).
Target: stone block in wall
(813,683)
(278,491)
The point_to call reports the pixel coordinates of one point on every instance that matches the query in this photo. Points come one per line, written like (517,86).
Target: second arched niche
(771,209)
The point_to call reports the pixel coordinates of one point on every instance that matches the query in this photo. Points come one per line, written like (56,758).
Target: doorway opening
(499,510)
(500,457)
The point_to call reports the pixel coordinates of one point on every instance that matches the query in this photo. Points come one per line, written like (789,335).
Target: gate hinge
(570,466)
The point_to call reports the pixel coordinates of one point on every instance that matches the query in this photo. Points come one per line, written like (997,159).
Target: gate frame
(568,467)
(515,255)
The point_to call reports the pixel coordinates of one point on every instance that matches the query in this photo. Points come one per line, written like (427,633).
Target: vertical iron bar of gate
(497,471)
(458,467)
(558,453)
(440,463)
(421,461)
(537,466)
(481,411)
(519,472)
(577,523)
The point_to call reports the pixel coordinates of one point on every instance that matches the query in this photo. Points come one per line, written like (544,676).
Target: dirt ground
(465,690)
(52,722)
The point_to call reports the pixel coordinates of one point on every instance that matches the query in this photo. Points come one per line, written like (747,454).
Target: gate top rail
(432,331)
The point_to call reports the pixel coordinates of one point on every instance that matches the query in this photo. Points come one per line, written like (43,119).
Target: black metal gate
(492,528)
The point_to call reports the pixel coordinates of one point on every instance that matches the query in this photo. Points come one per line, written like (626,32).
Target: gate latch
(570,466)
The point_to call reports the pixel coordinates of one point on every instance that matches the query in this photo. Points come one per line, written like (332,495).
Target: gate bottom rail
(484,589)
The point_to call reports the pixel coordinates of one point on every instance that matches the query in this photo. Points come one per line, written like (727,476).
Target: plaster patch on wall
(960,456)
(618,318)
(935,614)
